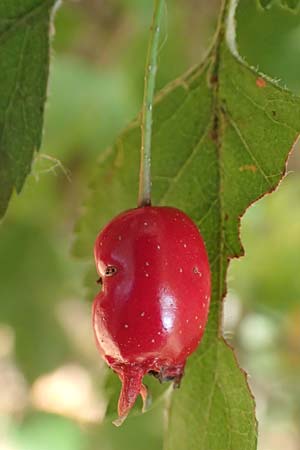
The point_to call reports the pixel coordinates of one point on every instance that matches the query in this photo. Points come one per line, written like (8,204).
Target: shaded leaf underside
(220,141)
(24,66)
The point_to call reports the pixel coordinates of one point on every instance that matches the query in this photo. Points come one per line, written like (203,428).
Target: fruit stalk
(144,198)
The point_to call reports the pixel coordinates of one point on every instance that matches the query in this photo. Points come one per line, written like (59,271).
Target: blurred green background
(51,379)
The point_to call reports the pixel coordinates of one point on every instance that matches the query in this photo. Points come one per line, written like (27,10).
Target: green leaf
(218,414)
(221,137)
(24,66)
(291,4)
(265,3)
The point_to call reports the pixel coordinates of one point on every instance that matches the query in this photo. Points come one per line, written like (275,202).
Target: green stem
(146,123)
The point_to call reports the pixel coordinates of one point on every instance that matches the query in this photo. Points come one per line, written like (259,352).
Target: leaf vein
(247,148)
(24,18)
(182,169)
(261,108)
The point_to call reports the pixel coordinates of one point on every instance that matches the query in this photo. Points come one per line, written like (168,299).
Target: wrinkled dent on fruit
(152,309)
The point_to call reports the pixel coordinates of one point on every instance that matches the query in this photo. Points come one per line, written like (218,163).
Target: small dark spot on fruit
(274,113)
(99,281)
(110,271)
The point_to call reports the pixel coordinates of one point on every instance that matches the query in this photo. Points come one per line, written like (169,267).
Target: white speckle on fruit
(158,247)
(146,224)
(180,331)
(200,326)
(196,317)
(203,304)
(147,263)
(142,314)
(158,332)
(181,270)
(120,238)
(196,271)
(139,345)
(184,245)
(187,320)
(126,325)
(206,297)
(152,340)
(147,275)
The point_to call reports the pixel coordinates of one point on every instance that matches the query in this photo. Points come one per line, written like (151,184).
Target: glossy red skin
(151,314)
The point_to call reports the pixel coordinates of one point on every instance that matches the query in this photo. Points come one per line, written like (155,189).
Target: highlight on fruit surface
(151,312)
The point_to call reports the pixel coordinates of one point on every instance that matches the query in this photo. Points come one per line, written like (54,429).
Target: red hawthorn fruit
(151,312)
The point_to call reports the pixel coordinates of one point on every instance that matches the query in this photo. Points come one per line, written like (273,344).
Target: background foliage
(44,309)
